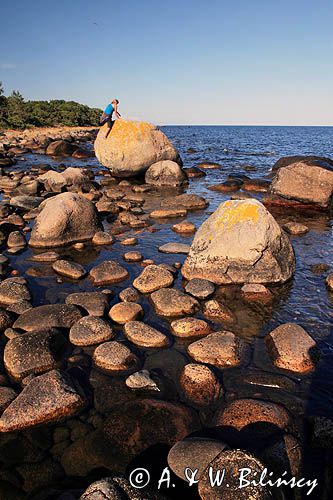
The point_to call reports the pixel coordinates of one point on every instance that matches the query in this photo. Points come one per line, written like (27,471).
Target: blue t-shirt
(109,109)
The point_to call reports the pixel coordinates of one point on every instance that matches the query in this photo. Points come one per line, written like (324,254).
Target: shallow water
(304,300)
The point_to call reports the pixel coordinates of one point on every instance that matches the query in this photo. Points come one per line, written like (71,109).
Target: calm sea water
(304,300)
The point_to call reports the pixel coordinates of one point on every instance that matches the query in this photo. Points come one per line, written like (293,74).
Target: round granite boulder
(240,243)
(131,147)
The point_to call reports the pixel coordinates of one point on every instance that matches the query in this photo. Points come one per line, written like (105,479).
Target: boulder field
(240,243)
(132,147)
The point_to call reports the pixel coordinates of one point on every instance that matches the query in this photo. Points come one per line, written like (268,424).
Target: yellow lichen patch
(236,212)
(124,131)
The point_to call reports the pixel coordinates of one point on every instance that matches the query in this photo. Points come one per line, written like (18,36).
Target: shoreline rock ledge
(132,147)
(240,242)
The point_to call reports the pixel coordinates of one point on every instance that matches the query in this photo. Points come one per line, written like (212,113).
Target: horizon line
(236,125)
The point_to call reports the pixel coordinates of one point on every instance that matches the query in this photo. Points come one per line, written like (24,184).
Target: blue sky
(176,61)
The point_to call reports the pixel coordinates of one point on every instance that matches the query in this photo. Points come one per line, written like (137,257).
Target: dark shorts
(104,119)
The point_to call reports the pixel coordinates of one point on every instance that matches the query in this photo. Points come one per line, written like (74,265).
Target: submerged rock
(195,453)
(292,348)
(95,303)
(240,243)
(134,426)
(69,269)
(65,218)
(54,397)
(232,462)
(131,147)
(190,327)
(125,311)
(13,290)
(48,316)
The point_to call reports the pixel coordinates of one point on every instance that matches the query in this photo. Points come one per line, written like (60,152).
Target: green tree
(3,108)
(17,114)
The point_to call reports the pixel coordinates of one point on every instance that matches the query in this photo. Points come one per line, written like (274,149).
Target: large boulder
(307,181)
(131,147)
(288,160)
(66,218)
(240,243)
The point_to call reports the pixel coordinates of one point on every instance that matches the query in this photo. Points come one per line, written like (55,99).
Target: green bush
(17,113)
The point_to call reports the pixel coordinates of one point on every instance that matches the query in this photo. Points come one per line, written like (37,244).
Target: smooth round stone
(200,288)
(108,272)
(295,228)
(45,257)
(241,414)
(232,461)
(69,269)
(329,282)
(144,335)
(187,201)
(171,302)
(190,327)
(168,213)
(254,292)
(90,330)
(174,248)
(226,187)
(147,262)
(129,295)
(153,278)
(115,357)
(184,227)
(102,238)
(14,290)
(95,303)
(129,241)
(125,311)
(141,380)
(200,385)
(16,239)
(212,309)
(220,349)
(133,256)
(209,165)
(195,453)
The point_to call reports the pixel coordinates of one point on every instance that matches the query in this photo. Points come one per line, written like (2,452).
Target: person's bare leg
(110,125)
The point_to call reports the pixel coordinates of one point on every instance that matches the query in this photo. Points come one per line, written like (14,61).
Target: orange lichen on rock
(234,213)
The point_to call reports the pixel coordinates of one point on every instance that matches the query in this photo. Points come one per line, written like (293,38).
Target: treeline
(17,113)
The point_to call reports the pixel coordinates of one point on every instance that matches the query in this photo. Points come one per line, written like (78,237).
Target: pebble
(90,330)
(108,272)
(184,227)
(168,213)
(171,302)
(125,311)
(69,269)
(103,238)
(200,288)
(144,335)
(190,327)
(153,278)
(295,228)
(220,349)
(215,310)
(45,257)
(16,239)
(141,380)
(174,248)
(132,257)
(115,357)
(129,295)
(329,282)
(200,385)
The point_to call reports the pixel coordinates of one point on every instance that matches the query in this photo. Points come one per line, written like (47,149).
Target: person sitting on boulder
(107,115)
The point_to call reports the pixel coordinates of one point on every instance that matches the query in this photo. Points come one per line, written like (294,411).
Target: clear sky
(175,61)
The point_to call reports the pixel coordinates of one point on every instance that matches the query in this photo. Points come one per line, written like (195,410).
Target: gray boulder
(165,173)
(240,243)
(66,218)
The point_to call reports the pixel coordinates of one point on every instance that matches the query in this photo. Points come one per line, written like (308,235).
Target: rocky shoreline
(91,385)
